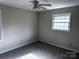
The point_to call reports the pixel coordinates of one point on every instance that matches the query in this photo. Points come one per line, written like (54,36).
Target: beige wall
(19,28)
(69,40)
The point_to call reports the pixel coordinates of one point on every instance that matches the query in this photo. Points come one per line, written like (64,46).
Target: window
(1,32)
(61,22)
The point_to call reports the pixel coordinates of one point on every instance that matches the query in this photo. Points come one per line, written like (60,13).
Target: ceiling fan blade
(25,5)
(45,5)
(31,1)
(34,1)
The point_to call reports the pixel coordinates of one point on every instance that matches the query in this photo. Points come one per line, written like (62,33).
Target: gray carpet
(37,50)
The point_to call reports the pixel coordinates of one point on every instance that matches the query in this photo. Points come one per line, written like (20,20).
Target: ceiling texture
(24,4)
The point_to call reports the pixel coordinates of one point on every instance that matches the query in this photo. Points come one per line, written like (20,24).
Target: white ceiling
(55,3)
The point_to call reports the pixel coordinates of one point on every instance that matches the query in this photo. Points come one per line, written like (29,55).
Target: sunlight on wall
(29,56)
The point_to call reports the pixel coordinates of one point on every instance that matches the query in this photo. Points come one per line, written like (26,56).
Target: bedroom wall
(68,40)
(19,28)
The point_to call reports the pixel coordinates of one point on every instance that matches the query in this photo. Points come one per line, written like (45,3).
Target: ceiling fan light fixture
(38,6)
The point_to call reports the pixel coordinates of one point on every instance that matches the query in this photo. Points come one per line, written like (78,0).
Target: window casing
(1,28)
(61,22)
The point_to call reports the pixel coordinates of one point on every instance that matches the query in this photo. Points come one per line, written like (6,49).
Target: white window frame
(1,26)
(63,14)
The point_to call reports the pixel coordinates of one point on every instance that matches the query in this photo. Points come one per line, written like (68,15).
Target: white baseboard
(20,45)
(59,46)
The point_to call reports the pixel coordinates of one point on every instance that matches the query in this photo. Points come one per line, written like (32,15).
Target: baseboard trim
(60,46)
(10,49)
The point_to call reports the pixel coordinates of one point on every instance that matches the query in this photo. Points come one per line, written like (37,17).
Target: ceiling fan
(37,5)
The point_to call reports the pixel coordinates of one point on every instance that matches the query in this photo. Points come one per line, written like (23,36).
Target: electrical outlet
(70,45)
